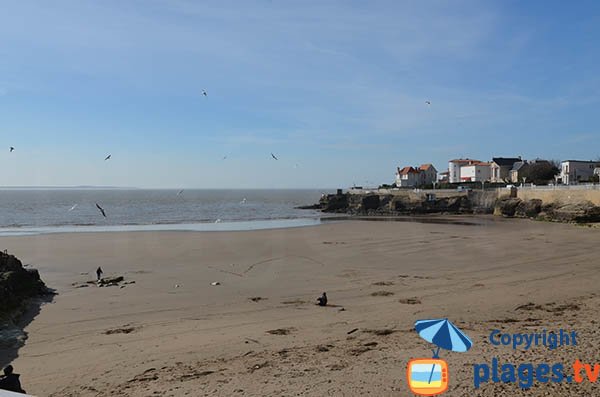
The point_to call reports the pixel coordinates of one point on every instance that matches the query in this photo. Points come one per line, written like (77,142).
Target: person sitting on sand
(10,381)
(322,300)
(99,273)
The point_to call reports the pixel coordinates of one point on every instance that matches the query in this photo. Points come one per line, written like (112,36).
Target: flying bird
(224,157)
(179,193)
(204,93)
(12,149)
(107,157)
(272,155)
(73,207)
(101,210)
(243,201)
(428,102)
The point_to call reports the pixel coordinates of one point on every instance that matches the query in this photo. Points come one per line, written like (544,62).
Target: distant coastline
(83,187)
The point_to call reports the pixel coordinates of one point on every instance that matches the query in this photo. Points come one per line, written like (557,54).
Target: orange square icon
(427,376)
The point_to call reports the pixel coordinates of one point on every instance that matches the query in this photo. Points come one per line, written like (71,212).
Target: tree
(539,172)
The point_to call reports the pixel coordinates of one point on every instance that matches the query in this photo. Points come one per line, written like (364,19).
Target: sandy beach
(259,332)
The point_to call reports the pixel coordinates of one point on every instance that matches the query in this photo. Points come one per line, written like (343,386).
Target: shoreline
(248,225)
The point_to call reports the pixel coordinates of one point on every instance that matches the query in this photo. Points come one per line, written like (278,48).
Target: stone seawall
(563,196)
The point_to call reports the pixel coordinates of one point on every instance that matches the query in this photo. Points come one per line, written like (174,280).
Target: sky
(337,90)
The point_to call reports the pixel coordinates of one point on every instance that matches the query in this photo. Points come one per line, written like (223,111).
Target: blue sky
(336,90)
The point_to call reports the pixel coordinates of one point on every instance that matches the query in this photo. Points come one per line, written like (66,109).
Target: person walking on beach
(10,381)
(99,273)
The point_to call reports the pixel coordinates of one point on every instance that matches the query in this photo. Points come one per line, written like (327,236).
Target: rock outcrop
(583,212)
(387,204)
(17,284)
(18,287)
(472,203)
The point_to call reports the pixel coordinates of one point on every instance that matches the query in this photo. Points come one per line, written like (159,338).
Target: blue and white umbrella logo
(443,334)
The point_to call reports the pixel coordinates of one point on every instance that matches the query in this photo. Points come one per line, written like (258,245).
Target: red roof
(407,170)
(425,167)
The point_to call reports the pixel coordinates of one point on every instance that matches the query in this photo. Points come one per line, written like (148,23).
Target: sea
(36,211)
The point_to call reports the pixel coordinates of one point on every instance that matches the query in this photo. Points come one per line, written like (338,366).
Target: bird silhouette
(428,102)
(12,149)
(101,210)
(107,157)
(179,193)
(73,207)
(224,157)
(204,93)
(272,155)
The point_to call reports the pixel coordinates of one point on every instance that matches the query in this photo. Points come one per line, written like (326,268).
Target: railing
(581,186)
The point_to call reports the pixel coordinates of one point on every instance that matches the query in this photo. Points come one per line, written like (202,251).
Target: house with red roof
(416,176)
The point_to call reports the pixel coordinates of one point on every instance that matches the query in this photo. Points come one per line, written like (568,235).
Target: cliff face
(17,284)
(472,203)
(583,212)
(20,289)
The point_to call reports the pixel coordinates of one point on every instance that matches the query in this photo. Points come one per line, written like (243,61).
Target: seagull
(428,102)
(179,193)
(12,149)
(101,210)
(272,155)
(218,220)
(224,157)
(204,93)
(107,157)
(243,201)
(73,207)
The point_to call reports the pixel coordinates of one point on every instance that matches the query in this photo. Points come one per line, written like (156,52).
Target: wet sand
(259,332)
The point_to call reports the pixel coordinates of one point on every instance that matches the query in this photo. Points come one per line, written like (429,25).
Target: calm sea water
(29,211)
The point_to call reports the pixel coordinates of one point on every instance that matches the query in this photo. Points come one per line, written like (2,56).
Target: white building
(476,172)
(575,171)
(466,170)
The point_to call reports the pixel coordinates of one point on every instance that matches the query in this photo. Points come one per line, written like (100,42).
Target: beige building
(500,168)
(427,174)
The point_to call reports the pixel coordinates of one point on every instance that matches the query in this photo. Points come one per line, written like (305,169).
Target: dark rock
(529,209)
(17,284)
(19,288)
(506,206)
(110,281)
(579,212)
(370,202)
(334,203)
(309,207)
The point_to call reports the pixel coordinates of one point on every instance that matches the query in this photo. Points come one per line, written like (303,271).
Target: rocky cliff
(388,204)
(19,287)
(472,203)
(583,212)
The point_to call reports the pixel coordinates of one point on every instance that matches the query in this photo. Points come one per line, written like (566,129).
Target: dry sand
(153,338)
